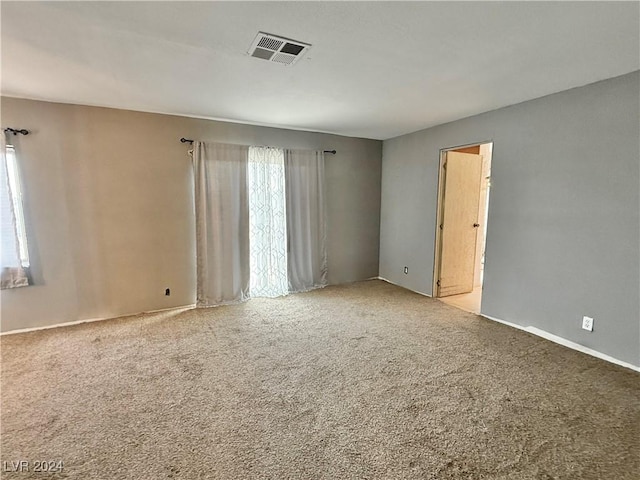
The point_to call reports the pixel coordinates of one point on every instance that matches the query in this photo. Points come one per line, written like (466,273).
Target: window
(260,223)
(267,222)
(14,251)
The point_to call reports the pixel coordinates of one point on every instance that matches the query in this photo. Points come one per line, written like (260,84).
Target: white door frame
(437,260)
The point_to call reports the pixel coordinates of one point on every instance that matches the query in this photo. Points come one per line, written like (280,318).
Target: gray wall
(109,205)
(563,226)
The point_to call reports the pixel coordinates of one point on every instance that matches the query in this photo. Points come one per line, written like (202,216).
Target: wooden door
(459,222)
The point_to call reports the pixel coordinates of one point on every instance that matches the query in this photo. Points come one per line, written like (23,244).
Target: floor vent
(277,49)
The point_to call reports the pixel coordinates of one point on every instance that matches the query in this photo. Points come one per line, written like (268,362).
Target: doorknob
(476,225)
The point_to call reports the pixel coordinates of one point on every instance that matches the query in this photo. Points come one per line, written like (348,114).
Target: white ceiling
(375,70)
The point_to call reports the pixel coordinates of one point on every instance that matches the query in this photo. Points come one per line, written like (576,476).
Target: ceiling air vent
(277,49)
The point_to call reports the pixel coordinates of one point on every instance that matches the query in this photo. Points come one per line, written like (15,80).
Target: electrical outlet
(167,292)
(587,323)
(406,270)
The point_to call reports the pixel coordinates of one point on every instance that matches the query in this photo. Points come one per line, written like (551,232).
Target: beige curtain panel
(222,223)
(306,222)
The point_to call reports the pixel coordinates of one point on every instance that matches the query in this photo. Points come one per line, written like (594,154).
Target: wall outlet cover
(587,323)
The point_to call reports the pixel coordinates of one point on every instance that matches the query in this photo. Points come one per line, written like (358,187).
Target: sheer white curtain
(267,223)
(222,223)
(14,255)
(306,223)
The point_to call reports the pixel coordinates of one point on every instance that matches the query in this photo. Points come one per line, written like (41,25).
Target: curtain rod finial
(16,131)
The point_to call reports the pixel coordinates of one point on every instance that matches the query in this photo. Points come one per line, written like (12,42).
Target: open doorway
(463,201)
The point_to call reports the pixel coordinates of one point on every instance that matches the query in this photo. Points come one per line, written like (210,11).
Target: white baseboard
(544,334)
(401,286)
(533,330)
(90,320)
(566,343)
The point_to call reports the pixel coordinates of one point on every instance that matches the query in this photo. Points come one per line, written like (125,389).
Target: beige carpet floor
(363,381)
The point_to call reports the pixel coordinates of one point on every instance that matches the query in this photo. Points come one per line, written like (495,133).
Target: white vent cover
(277,49)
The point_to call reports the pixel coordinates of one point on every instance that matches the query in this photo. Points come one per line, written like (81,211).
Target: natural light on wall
(14,253)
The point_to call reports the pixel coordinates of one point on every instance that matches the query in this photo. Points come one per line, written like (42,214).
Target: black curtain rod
(16,131)
(188,140)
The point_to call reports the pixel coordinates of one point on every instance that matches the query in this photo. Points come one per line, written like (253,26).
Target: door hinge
(438,283)
(440,226)
(444,165)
